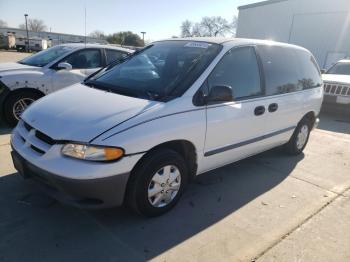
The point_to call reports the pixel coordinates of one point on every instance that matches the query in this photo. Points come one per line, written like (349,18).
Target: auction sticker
(197,44)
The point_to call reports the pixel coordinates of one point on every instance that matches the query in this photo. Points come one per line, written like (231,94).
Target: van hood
(4,67)
(344,79)
(80,113)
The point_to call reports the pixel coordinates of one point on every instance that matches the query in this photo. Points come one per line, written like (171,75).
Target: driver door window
(85,59)
(238,69)
(84,62)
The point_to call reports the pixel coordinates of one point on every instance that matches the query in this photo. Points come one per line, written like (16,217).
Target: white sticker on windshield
(198,44)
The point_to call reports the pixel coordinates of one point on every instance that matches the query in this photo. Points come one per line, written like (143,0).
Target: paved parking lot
(271,207)
(11,56)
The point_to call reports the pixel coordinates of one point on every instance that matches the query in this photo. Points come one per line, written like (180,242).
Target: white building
(55,38)
(322,26)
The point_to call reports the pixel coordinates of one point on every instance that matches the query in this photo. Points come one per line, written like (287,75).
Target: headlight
(92,153)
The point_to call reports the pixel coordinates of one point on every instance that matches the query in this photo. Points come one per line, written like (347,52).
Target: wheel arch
(184,148)
(310,116)
(17,91)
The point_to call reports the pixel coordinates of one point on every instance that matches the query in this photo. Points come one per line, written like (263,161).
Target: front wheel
(16,103)
(157,183)
(300,137)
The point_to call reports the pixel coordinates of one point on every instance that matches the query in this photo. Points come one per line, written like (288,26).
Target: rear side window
(238,69)
(309,72)
(288,70)
(114,55)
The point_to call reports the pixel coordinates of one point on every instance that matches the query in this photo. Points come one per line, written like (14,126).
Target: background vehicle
(206,103)
(337,85)
(24,82)
(7,41)
(35,44)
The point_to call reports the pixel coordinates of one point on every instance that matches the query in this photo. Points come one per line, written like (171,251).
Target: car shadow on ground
(36,227)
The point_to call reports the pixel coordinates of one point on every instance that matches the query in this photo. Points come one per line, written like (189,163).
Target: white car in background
(337,84)
(24,82)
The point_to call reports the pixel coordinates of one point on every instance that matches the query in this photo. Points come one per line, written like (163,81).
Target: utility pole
(27,45)
(143,37)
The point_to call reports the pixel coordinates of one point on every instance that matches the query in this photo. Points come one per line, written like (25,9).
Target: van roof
(234,41)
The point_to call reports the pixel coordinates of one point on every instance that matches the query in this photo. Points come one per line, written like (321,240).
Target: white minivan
(25,81)
(140,131)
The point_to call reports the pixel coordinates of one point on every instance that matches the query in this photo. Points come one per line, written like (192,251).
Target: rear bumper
(83,193)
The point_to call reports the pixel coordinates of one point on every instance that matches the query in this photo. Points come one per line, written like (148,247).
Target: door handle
(259,110)
(273,107)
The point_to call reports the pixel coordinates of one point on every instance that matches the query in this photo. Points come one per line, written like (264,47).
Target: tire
(300,137)
(13,101)
(142,182)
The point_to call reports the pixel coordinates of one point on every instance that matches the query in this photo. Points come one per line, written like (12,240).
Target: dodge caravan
(140,131)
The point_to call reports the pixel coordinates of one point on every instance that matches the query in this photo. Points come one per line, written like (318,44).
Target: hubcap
(302,136)
(164,186)
(20,106)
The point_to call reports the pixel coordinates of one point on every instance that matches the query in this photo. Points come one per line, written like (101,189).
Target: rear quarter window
(114,55)
(288,70)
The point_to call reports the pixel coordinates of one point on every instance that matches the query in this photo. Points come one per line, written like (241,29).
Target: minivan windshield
(161,71)
(46,56)
(340,69)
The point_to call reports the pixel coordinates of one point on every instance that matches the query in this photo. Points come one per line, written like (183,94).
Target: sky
(158,18)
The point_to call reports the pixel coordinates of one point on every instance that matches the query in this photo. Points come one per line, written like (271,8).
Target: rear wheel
(16,103)
(157,183)
(300,137)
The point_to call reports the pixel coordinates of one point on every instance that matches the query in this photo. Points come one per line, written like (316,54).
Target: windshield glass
(340,69)
(163,70)
(46,56)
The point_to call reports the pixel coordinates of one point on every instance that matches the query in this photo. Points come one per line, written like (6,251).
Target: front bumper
(336,100)
(317,122)
(334,104)
(4,91)
(83,193)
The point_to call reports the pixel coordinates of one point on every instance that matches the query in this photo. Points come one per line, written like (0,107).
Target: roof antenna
(85,24)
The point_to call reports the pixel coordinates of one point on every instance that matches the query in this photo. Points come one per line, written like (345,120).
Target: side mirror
(220,94)
(323,71)
(64,66)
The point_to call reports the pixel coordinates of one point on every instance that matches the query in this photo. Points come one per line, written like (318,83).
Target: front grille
(335,89)
(27,126)
(37,149)
(44,137)
(36,140)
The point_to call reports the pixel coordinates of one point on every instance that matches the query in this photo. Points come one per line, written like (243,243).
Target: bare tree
(214,26)
(3,23)
(197,30)
(233,26)
(209,26)
(186,29)
(98,34)
(35,25)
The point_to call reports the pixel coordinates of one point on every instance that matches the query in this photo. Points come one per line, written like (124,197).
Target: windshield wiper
(151,95)
(112,89)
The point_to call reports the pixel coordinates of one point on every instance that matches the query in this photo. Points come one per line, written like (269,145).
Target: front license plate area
(343,100)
